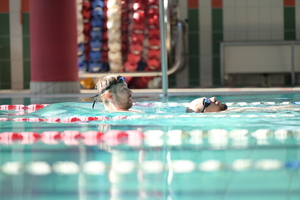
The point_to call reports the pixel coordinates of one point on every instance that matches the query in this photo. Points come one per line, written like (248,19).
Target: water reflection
(162,165)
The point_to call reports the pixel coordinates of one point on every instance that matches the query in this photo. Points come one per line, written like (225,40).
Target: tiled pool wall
(209,23)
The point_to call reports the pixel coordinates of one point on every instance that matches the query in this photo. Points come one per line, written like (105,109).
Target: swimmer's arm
(135,111)
(238,109)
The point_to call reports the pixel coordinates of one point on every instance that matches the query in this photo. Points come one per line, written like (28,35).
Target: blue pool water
(253,154)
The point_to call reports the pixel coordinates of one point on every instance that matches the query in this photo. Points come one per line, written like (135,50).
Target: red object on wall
(289,2)
(216,3)
(193,3)
(53,40)
(4,6)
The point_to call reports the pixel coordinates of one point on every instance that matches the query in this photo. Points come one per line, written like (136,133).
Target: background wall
(214,21)
(14,44)
(210,22)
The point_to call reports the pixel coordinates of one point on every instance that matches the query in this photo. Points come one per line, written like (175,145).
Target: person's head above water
(114,93)
(204,104)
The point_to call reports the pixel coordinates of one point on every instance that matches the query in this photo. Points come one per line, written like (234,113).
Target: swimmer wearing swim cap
(204,105)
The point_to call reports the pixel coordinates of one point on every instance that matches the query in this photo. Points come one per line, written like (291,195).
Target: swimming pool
(81,153)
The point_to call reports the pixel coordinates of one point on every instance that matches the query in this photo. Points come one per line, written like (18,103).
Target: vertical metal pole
(293,64)
(163,50)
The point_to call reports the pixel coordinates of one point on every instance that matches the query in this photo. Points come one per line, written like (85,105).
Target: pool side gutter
(159,92)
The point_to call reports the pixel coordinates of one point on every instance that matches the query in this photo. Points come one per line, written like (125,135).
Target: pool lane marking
(93,167)
(34,107)
(135,138)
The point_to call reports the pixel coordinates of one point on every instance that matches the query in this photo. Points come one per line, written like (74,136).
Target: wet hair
(103,83)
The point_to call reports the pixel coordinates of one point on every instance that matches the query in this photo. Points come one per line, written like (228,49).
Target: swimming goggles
(120,80)
(206,103)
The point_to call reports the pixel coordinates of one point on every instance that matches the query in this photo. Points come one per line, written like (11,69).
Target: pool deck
(159,92)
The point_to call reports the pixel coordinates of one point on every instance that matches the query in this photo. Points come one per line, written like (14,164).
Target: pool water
(163,153)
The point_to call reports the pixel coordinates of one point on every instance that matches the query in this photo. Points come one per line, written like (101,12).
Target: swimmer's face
(211,105)
(215,106)
(123,96)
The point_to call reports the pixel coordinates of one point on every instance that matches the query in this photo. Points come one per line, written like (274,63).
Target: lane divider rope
(35,107)
(215,137)
(112,137)
(86,119)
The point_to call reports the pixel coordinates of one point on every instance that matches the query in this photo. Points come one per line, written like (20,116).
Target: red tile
(216,3)
(25,5)
(4,6)
(193,3)
(289,2)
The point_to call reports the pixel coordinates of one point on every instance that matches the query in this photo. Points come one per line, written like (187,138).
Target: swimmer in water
(115,94)
(205,105)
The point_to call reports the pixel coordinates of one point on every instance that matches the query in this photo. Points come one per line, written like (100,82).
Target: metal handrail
(177,64)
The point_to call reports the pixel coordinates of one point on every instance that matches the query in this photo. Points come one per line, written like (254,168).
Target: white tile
(298,34)
(206,43)
(277,35)
(206,71)
(50,88)
(264,18)
(265,35)
(182,5)
(16,48)
(228,4)
(253,35)
(182,78)
(75,87)
(252,19)
(204,4)
(15,27)
(241,19)
(265,3)
(183,9)
(241,35)
(32,87)
(63,87)
(229,36)
(56,87)
(183,14)
(19,101)
(17,74)
(240,3)
(229,19)
(253,3)
(277,3)
(277,19)
(70,87)
(205,20)
(14,6)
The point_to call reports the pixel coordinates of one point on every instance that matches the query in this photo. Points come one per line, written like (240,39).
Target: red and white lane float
(50,137)
(32,107)
(112,137)
(92,137)
(9,137)
(64,120)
